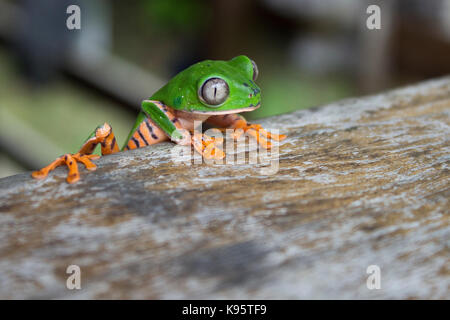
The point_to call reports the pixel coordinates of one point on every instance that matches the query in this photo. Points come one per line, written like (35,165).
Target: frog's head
(214,87)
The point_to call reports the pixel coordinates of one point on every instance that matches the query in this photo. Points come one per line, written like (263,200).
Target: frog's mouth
(251,107)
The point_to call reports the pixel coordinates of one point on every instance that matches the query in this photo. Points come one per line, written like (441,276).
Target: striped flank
(143,136)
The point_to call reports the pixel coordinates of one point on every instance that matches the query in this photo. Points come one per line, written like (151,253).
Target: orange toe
(39,174)
(87,163)
(71,162)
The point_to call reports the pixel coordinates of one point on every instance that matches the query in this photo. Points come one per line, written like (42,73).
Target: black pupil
(214,91)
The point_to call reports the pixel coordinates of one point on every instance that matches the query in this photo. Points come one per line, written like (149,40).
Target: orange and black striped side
(149,133)
(146,134)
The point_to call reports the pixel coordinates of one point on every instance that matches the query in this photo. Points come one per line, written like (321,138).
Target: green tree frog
(214,91)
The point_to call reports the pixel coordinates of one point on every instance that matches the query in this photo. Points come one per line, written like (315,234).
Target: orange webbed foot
(258,132)
(208,146)
(70,160)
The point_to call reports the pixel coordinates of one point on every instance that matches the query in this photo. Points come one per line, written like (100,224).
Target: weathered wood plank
(363,181)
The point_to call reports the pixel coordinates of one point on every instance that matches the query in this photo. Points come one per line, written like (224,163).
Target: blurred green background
(57,84)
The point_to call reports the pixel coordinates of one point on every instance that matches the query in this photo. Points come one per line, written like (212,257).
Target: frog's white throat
(213,113)
(187,118)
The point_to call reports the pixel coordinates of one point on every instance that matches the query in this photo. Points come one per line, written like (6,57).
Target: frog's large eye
(255,70)
(214,91)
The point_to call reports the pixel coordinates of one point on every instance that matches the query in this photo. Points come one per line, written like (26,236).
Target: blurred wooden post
(375,55)
(230,28)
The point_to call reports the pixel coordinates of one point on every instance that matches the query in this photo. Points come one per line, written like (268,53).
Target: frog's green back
(181,92)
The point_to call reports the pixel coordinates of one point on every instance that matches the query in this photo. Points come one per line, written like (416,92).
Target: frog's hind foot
(70,160)
(102,134)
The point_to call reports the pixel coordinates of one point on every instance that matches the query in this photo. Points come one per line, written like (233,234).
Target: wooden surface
(361,182)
